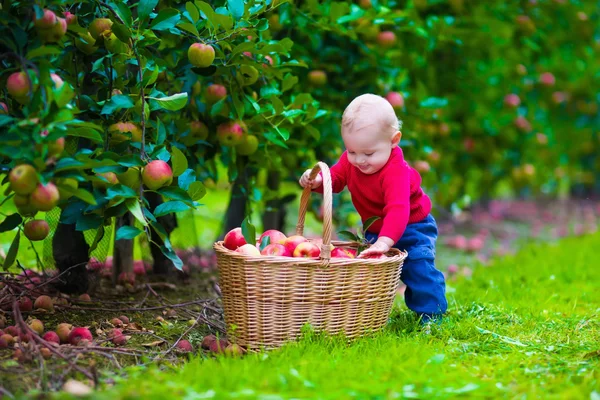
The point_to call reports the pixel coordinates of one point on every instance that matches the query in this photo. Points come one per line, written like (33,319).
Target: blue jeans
(425,285)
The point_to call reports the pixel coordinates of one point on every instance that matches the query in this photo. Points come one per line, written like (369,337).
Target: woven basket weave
(268,299)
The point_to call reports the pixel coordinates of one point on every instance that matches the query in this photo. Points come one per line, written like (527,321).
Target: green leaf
(10,222)
(43,51)
(175,193)
(236,7)
(120,191)
(180,163)
(369,222)
(244,46)
(278,105)
(116,103)
(434,102)
(171,255)
(172,103)
(264,242)
(127,232)
(97,239)
(207,10)
(89,221)
(121,32)
(186,26)
(11,256)
(166,19)
(133,205)
(193,11)
(86,133)
(249,231)
(238,103)
(289,82)
(124,12)
(184,180)
(284,133)
(197,190)
(145,7)
(79,193)
(170,207)
(64,95)
(349,236)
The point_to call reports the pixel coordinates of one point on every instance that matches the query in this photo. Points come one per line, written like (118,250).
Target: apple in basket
(248,250)
(293,241)
(234,239)
(275,237)
(275,249)
(338,252)
(307,250)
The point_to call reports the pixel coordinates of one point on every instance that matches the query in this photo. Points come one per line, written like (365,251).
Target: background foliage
(495,97)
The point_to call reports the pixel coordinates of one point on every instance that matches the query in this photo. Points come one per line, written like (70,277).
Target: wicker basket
(267,300)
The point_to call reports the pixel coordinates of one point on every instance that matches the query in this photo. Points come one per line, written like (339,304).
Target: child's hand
(381,246)
(305,180)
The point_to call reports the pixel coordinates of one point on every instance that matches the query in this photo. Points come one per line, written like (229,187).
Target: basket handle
(327,212)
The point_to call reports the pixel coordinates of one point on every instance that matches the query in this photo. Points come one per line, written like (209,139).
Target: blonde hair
(371,110)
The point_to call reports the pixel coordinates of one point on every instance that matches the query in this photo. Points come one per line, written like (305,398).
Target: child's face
(369,151)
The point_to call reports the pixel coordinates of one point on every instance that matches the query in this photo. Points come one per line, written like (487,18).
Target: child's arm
(338,177)
(396,192)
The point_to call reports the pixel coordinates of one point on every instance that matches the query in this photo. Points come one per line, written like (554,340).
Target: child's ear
(396,138)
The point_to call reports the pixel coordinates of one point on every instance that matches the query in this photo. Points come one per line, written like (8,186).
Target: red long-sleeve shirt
(393,193)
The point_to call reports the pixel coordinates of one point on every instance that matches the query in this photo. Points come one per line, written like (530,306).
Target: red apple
(63,330)
(184,346)
(523,124)
(157,174)
(70,18)
(275,249)
(512,100)
(396,100)
(44,302)
(37,326)
(307,250)
(547,79)
(3,108)
(36,229)
(317,78)
(215,93)
(79,334)
(293,241)
(23,179)
(46,22)
(386,39)
(118,132)
(339,252)
(18,87)
(234,239)
(25,304)
(44,197)
(117,337)
(274,235)
(98,26)
(230,133)
(201,55)
(102,183)
(51,337)
(248,249)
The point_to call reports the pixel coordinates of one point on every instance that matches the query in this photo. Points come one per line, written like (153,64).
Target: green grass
(526,327)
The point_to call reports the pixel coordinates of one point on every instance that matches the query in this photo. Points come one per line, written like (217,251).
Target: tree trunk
(274,216)
(123,252)
(70,253)
(162,264)
(236,211)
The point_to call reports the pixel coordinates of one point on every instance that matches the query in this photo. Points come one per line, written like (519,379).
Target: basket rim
(396,257)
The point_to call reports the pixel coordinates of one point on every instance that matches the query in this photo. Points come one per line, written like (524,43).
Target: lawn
(526,327)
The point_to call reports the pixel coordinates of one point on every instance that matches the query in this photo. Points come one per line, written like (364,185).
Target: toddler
(382,184)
